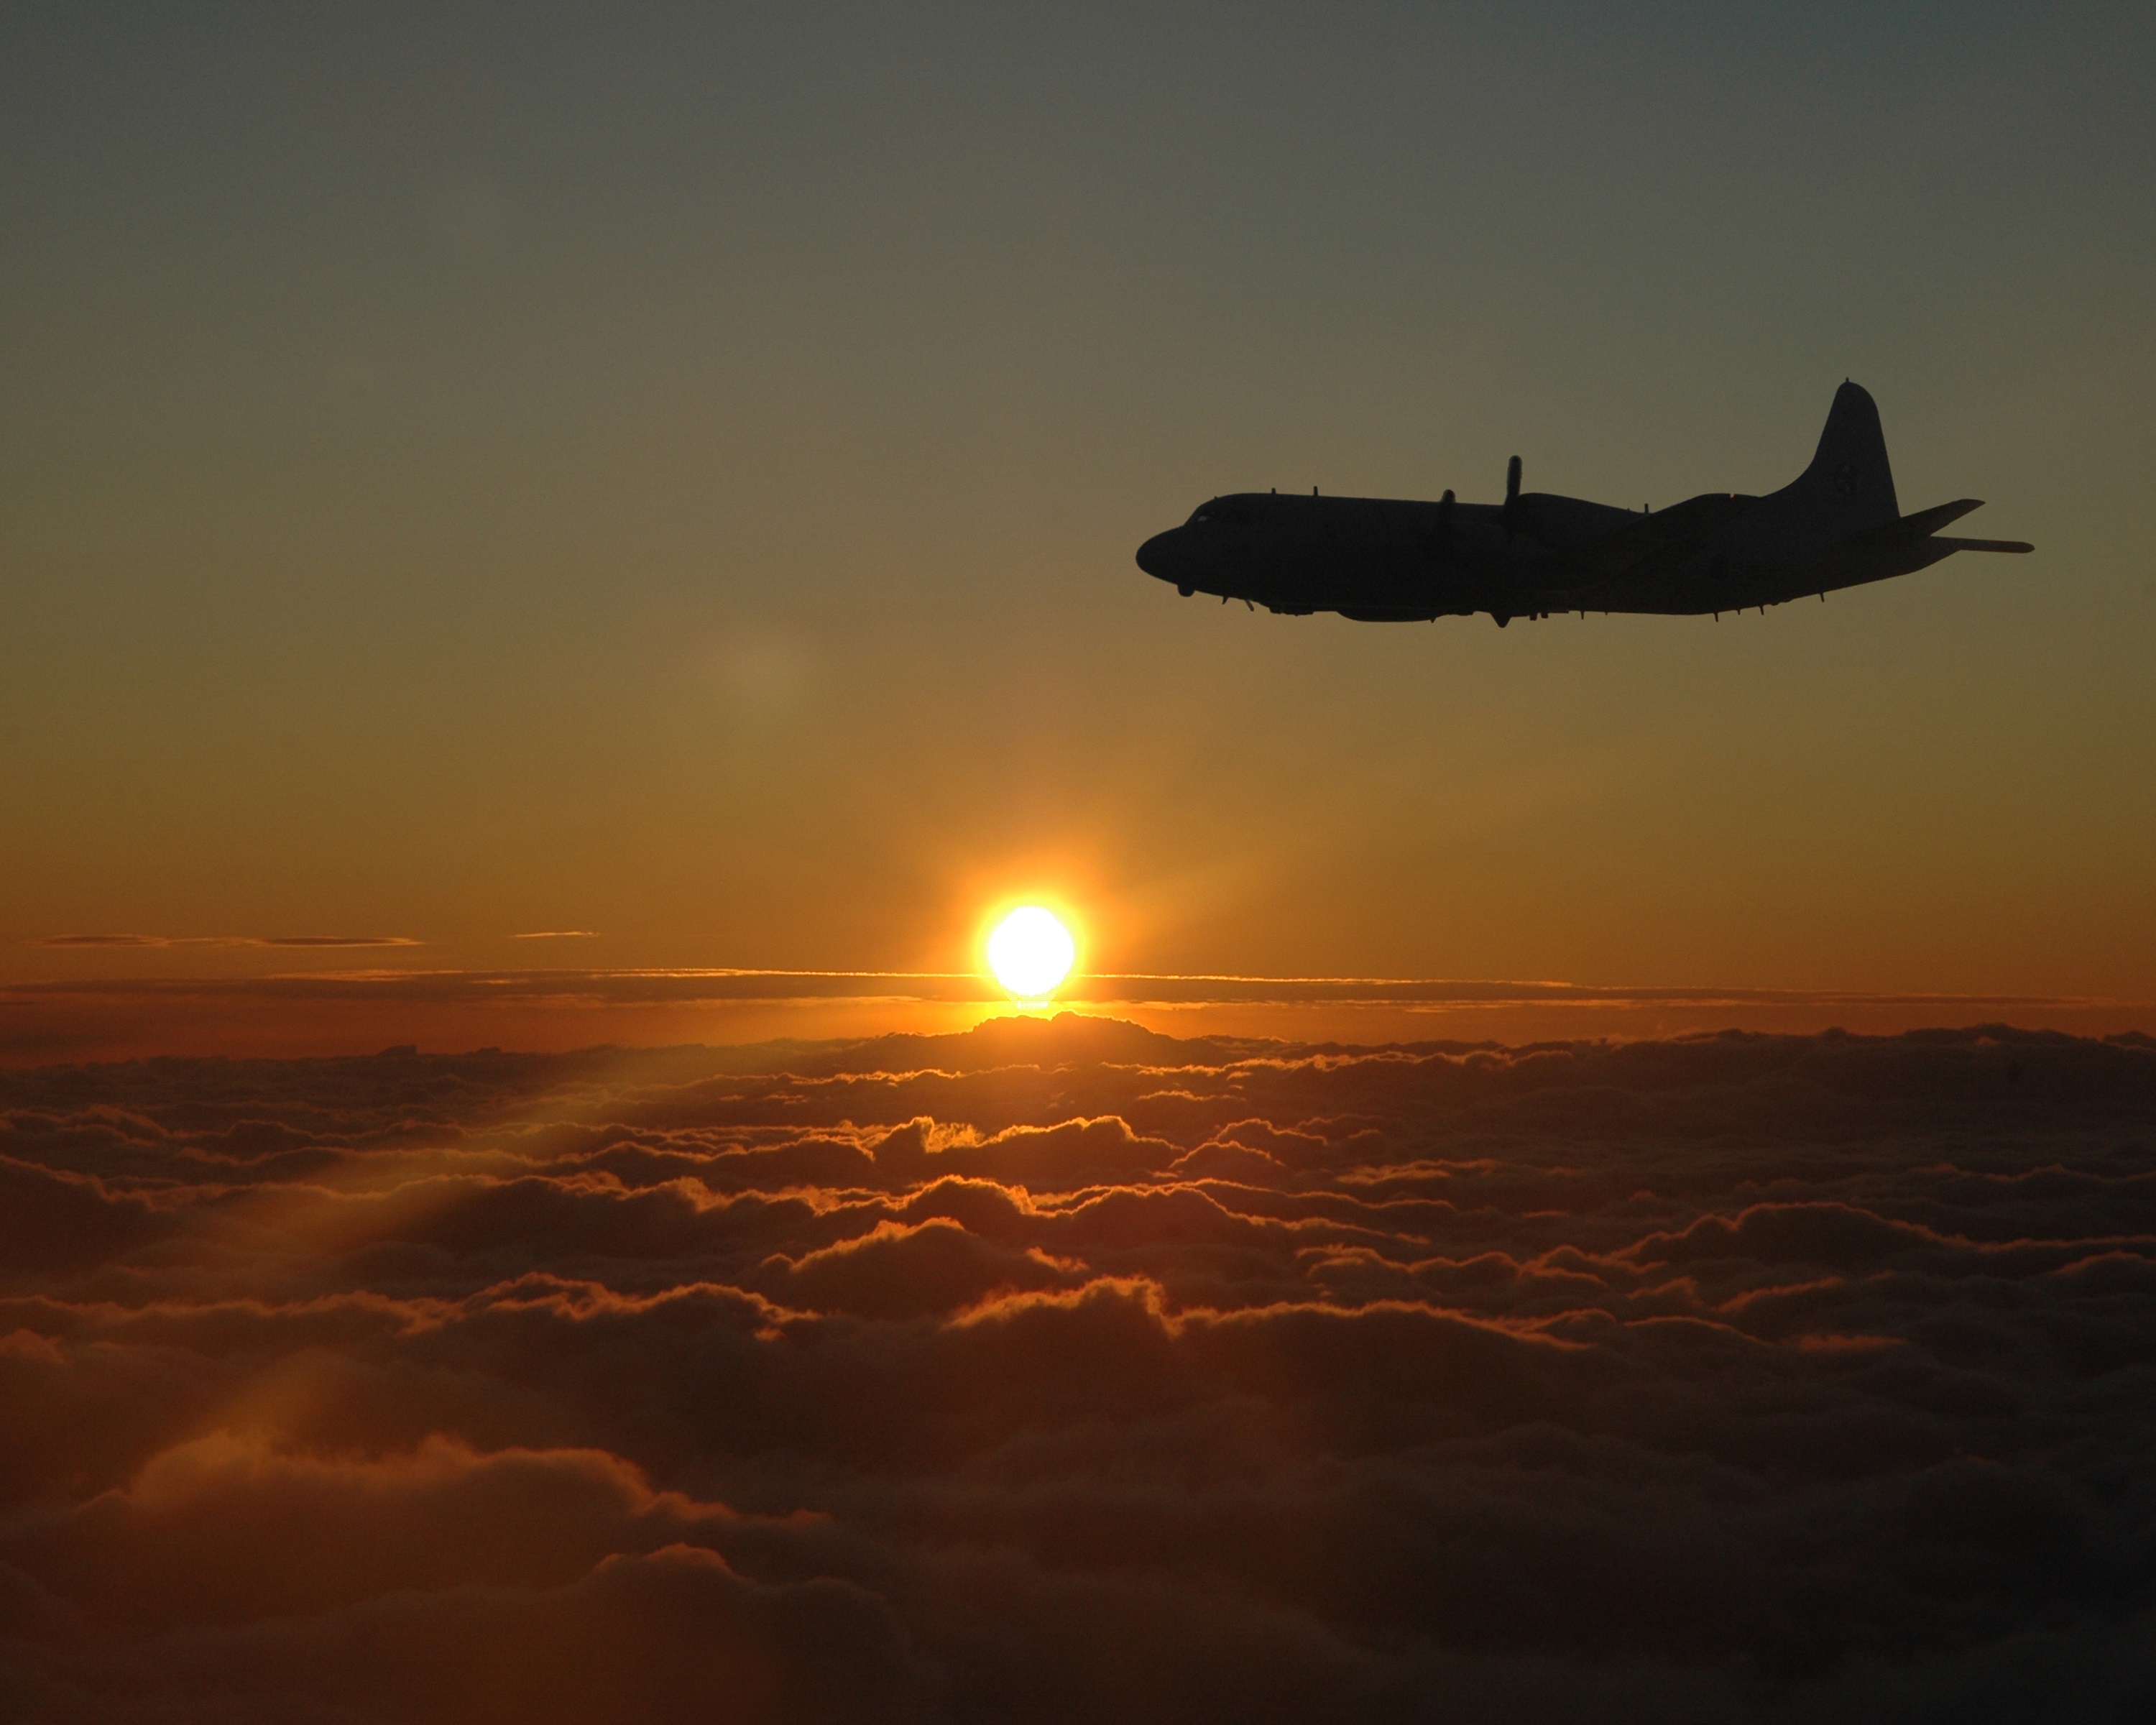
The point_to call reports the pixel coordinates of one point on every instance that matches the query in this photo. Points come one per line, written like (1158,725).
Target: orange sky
(473,481)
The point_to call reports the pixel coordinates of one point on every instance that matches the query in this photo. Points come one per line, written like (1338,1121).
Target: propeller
(1512,522)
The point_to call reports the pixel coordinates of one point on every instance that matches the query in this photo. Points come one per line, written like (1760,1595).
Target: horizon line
(1089,987)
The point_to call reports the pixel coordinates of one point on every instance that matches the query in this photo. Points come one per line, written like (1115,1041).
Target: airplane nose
(1157,556)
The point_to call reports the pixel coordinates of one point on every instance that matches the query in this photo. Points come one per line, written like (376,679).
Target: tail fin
(1848,485)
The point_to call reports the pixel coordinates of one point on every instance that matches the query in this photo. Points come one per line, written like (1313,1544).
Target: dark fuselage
(1380,561)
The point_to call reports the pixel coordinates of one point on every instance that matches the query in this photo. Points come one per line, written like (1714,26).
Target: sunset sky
(562,568)
(674,476)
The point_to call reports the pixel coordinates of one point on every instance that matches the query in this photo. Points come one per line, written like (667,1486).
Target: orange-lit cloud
(1066,1370)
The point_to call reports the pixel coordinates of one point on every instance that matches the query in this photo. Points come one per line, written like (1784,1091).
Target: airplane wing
(1644,545)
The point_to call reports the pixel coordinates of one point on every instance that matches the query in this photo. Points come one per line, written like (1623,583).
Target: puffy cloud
(1061,1370)
(441,1584)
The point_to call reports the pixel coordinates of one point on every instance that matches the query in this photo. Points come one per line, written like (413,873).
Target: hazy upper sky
(675,474)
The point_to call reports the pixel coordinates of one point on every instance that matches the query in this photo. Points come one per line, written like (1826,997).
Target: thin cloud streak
(635,986)
(225,940)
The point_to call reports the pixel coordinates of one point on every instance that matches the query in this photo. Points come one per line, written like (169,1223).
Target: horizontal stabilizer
(1930,521)
(1985,544)
(1925,522)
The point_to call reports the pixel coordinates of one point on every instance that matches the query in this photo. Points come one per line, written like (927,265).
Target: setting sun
(1031,953)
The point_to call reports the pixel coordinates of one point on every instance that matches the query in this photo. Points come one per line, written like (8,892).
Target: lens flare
(1031,953)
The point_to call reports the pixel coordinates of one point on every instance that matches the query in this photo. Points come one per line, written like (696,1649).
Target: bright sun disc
(1031,952)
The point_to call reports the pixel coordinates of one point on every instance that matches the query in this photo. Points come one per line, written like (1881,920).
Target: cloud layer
(1066,1370)
(317,1011)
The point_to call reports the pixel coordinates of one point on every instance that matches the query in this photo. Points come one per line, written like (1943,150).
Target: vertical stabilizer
(1849,486)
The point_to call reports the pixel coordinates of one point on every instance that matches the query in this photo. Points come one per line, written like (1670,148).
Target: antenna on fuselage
(1512,497)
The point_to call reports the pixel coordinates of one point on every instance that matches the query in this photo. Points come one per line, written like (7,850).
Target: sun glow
(1031,952)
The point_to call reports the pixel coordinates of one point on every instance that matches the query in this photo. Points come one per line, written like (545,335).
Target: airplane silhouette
(1376,560)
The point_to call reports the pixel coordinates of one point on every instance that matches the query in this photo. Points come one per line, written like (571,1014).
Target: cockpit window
(1223,509)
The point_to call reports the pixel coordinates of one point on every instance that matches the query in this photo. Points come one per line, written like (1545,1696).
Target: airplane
(1376,560)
